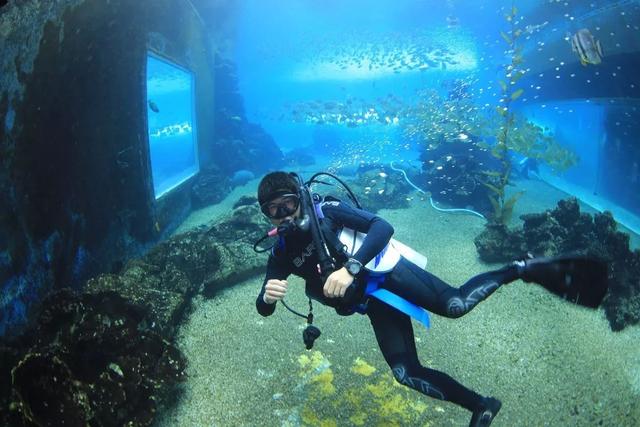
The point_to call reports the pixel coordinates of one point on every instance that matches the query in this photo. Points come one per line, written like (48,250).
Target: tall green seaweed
(513,71)
(517,134)
(436,120)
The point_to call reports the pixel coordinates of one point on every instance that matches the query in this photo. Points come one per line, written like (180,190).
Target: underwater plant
(530,140)
(516,133)
(467,149)
(503,205)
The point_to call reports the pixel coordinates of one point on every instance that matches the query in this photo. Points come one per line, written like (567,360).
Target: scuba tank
(347,243)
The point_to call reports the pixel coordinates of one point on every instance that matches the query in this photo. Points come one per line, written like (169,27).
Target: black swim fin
(578,279)
(486,412)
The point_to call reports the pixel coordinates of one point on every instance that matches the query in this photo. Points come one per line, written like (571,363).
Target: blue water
(171,124)
(291,53)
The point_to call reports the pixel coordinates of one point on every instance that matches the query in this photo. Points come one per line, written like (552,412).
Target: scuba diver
(349,261)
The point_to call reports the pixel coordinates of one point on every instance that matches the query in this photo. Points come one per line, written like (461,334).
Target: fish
(586,46)
(535,28)
(153,106)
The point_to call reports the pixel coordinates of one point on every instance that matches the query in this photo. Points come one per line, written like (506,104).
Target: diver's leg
(394,334)
(426,290)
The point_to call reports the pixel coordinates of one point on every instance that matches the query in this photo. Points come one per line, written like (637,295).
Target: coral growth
(92,359)
(566,230)
(378,188)
(105,357)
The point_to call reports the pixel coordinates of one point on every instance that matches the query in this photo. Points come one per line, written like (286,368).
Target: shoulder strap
(336,247)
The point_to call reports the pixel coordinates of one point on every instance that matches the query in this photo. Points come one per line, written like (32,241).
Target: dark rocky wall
(76,195)
(244,145)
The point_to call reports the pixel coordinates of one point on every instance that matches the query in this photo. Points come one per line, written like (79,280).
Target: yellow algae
(317,359)
(304,361)
(419,406)
(380,389)
(359,418)
(324,381)
(354,397)
(310,418)
(378,403)
(363,368)
(394,406)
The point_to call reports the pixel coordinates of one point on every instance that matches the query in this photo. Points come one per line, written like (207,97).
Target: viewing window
(171,124)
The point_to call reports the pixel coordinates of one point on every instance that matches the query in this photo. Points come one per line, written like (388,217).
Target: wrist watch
(353,266)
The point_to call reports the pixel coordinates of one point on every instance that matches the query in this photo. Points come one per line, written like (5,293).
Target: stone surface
(105,356)
(566,230)
(210,187)
(76,196)
(92,359)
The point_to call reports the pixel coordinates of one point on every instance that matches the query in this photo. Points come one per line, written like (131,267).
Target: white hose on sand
(431,199)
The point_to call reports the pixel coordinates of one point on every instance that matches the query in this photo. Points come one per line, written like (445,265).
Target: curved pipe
(431,199)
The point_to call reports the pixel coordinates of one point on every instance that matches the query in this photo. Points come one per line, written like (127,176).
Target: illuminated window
(171,124)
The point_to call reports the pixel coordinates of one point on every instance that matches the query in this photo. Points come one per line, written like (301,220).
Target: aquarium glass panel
(171,124)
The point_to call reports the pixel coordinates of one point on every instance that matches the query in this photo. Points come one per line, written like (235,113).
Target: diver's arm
(378,230)
(274,271)
(378,236)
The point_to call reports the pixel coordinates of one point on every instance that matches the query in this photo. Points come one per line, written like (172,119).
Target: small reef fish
(534,28)
(586,46)
(153,106)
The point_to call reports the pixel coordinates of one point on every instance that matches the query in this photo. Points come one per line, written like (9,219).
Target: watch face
(353,268)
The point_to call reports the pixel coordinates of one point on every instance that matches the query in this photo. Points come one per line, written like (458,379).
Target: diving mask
(281,207)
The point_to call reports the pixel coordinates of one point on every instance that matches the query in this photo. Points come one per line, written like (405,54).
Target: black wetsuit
(394,332)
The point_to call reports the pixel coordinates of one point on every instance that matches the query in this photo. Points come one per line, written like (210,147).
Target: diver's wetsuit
(296,255)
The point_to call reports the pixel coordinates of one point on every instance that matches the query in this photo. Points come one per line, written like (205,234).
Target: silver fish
(586,46)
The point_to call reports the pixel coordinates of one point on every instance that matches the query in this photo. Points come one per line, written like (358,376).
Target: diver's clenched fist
(274,290)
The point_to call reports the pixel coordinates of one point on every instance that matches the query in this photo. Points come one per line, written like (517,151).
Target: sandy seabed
(550,362)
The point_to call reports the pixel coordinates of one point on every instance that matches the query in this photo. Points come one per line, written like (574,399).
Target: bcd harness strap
(374,280)
(373,289)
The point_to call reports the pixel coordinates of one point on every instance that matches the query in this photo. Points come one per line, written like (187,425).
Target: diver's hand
(337,283)
(274,291)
